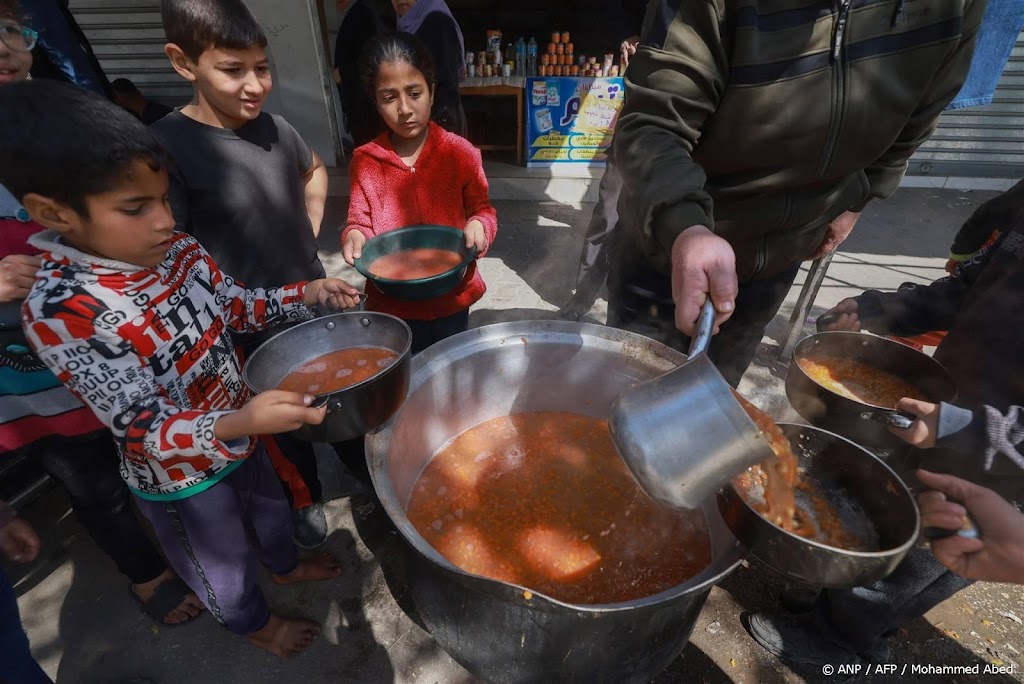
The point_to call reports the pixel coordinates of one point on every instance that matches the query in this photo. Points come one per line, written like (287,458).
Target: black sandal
(167,597)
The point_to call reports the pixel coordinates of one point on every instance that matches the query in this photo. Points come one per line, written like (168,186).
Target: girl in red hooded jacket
(416,173)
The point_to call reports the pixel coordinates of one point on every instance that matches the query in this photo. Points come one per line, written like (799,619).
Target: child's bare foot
(166,608)
(285,637)
(319,566)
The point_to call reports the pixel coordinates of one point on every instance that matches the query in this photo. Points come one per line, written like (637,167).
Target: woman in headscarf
(432,22)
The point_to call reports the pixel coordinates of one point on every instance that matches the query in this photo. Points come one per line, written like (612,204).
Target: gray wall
(303,90)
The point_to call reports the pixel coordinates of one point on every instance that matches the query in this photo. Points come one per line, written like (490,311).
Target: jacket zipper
(761,248)
(760,257)
(838,37)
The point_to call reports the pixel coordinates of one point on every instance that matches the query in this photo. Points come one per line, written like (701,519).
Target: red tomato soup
(337,370)
(543,500)
(410,264)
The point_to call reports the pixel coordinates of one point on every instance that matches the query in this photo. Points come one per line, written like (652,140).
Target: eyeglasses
(18,38)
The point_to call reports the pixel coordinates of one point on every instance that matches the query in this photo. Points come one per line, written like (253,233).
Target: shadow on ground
(82,615)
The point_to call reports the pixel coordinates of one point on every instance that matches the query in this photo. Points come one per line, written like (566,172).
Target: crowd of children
(124,268)
(127,263)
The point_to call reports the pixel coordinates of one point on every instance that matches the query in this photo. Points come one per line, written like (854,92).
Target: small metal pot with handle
(866,424)
(866,493)
(359,408)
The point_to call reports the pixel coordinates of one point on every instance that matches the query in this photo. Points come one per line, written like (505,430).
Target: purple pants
(215,541)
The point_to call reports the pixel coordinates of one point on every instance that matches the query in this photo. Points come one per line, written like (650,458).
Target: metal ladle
(684,435)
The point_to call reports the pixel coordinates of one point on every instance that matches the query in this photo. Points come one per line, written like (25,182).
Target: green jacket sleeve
(886,172)
(674,83)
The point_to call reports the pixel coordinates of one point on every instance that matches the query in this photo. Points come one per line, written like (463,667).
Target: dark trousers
(361,116)
(450,116)
(426,333)
(89,471)
(17,666)
(215,541)
(642,303)
(859,618)
(598,242)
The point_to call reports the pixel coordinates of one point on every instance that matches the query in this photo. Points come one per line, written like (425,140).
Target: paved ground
(85,629)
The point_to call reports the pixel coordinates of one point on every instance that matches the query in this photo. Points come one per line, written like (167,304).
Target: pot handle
(319,312)
(892,418)
(970,530)
(825,320)
(332,403)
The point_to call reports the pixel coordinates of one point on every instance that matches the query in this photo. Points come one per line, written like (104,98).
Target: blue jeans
(860,619)
(17,666)
(1000,27)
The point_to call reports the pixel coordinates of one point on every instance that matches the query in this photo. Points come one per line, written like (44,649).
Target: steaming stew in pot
(858,381)
(544,500)
(336,370)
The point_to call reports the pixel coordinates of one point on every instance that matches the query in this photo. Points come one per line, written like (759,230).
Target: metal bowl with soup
(849,383)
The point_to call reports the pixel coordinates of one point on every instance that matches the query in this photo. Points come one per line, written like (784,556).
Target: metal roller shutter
(128,38)
(981,142)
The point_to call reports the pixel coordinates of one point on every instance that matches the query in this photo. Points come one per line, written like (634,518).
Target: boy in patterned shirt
(136,320)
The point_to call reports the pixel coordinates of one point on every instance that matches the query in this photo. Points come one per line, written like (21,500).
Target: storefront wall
(981,142)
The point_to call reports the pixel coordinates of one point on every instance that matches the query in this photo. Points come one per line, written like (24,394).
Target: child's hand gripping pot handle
(842,317)
(270,413)
(332,294)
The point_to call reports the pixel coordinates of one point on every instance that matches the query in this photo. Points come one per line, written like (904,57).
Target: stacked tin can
(558,60)
(561,60)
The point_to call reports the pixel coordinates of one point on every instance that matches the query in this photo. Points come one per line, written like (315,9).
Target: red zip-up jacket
(446,187)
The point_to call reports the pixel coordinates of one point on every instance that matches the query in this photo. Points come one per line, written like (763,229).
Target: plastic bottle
(520,57)
(531,57)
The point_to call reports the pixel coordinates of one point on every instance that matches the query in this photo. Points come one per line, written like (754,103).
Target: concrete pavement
(85,628)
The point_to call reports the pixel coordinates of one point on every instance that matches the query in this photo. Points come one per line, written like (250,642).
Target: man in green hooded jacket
(753,134)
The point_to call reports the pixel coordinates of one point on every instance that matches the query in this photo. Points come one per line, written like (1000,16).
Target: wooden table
(501,87)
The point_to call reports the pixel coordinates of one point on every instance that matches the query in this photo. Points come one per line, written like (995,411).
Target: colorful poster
(570,120)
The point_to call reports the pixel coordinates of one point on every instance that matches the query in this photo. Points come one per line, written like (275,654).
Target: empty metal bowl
(417,237)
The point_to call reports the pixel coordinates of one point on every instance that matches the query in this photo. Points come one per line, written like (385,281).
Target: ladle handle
(705,326)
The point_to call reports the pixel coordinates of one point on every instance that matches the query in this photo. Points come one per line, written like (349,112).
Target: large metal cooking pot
(865,492)
(355,410)
(492,628)
(865,424)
